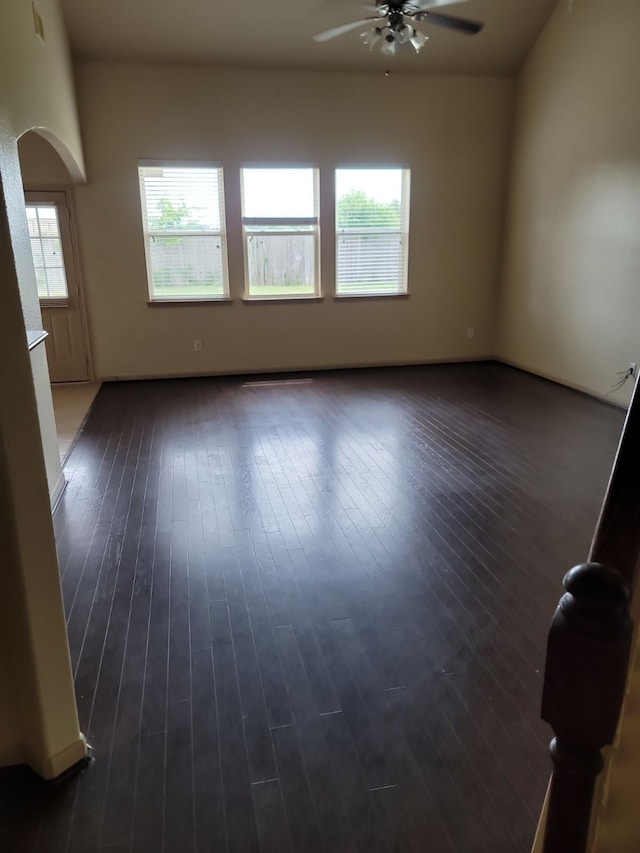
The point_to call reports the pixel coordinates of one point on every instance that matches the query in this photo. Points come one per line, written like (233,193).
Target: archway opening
(49,199)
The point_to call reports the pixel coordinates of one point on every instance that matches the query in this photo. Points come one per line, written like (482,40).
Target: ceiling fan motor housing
(396,18)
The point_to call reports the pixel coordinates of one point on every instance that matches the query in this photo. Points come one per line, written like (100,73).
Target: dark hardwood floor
(312,616)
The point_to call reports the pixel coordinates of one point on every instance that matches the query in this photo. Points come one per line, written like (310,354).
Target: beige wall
(571,286)
(38,721)
(36,91)
(452,132)
(36,84)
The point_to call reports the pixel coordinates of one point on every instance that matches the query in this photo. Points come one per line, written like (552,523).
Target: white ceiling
(277,34)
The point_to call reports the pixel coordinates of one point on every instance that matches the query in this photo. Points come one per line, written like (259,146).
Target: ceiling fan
(393,23)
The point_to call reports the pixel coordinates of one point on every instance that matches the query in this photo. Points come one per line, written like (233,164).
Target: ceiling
(278,34)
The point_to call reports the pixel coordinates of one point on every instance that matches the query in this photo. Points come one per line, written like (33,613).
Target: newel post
(587,658)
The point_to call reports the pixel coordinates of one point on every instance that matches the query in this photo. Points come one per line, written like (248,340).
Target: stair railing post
(588,653)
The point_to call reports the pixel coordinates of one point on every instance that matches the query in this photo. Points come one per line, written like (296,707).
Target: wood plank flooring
(312,616)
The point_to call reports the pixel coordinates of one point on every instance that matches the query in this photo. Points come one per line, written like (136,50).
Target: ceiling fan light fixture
(389,45)
(371,37)
(404,33)
(418,40)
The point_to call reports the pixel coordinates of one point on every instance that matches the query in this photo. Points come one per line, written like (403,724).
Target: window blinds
(371,231)
(183,218)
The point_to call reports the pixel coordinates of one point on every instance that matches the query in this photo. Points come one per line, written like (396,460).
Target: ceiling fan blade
(338,31)
(461,25)
(423,5)
(382,7)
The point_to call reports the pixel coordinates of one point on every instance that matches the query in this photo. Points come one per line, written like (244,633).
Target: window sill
(280,299)
(203,300)
(341,297)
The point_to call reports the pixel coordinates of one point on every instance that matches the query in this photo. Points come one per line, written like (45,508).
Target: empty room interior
(319,332)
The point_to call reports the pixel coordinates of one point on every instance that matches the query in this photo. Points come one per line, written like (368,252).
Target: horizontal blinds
(181,199)
(46,250)
(370,262)
(372,231)
(183,216)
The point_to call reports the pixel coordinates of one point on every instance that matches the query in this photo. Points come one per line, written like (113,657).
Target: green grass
(366,287)
(282,290)
(207,290)
(191,290)
(185,290)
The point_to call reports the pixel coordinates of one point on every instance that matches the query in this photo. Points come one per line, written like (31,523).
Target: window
(184,233)
(280,225)
(46,248)
(372,231)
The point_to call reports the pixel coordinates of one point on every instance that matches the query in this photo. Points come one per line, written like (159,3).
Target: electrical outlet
(633,367)
(197,346)
(471,332)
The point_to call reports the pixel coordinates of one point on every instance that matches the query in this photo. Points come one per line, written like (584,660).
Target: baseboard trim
(52,766)
(316,368)
(583,389)
(58,491)
(47,767)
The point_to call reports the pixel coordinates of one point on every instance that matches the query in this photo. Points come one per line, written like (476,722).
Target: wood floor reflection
(312,617)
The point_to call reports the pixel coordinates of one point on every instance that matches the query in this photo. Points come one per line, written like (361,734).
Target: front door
(56,275)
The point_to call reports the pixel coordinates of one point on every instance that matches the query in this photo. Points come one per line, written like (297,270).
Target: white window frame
(404,232)
(221,234)
(256,221)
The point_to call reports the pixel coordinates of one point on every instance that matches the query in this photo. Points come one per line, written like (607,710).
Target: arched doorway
(50,217)
(48,197)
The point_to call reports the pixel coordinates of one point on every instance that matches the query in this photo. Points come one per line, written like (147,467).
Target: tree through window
(184,234)
(372,230)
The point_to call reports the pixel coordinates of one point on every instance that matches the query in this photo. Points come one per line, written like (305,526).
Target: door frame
(67,191)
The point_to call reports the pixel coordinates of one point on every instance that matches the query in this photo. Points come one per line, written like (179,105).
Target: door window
(46,248)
